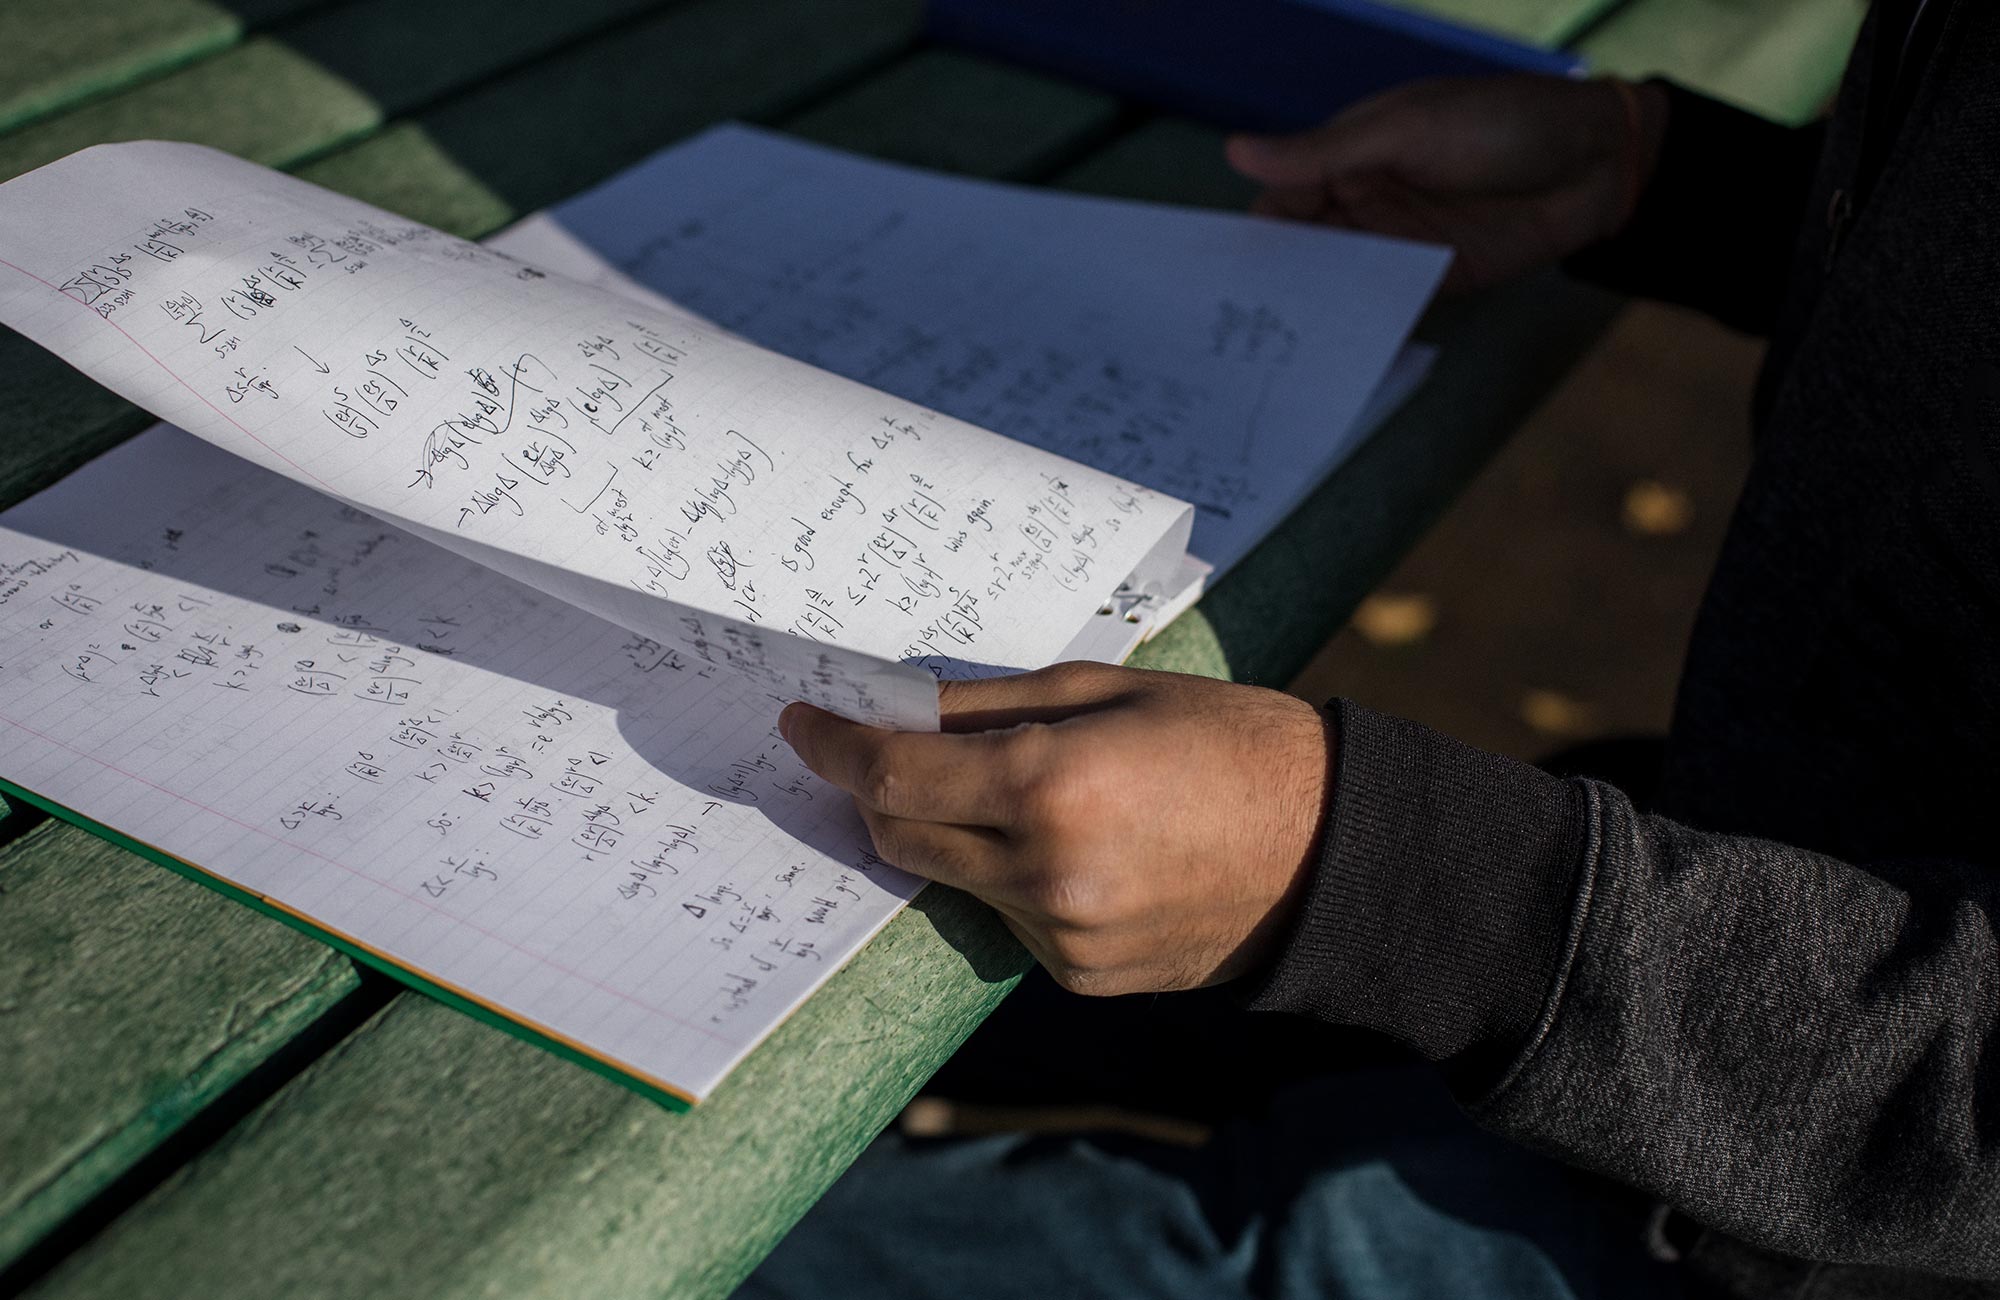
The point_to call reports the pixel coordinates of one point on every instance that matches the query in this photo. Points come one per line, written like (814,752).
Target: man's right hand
(1513,172)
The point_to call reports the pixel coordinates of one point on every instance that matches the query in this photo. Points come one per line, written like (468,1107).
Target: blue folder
(1264,65)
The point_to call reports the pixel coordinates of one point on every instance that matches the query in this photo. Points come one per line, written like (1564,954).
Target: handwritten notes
(482,674)
(671,478)
(592,831)
(1222,359)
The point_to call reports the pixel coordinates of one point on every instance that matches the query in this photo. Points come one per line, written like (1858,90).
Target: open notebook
(458,629)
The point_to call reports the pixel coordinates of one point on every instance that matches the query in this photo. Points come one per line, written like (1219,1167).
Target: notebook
(452,620)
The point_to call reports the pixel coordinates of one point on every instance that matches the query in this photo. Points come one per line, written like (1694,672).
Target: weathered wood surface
(57,53)
(562,124)
(404,56)
(129,1000)
(1781,58)
(1550,23)
(428,1155)
(259,100)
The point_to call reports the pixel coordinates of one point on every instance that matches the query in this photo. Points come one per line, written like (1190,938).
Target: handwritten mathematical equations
(471,652)
(1226,360)
(593,832)
(631,461)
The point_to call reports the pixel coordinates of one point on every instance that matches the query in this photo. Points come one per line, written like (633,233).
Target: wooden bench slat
(56,53)
(996,120)
(1781,58)
(432,1155)
(1002,122)
(403,170)
(56,419)
(406,55)
(1549,23)
(259,14)
(258,100)
(544,133)
(129,1000)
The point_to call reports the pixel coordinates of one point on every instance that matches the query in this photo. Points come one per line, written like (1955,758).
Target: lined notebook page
(628,460)
(582,827)
(1222,359)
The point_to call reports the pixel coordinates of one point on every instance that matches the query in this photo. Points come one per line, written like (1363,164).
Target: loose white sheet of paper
(546,243)
(580,826)
(677,481)
(1223,359)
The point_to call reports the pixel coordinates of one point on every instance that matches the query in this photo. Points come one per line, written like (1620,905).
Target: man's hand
(1138,831)
(1513,172)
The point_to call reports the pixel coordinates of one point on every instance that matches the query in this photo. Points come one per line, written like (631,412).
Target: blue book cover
(1266,65)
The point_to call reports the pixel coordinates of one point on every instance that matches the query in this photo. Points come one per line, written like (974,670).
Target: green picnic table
(197,1100)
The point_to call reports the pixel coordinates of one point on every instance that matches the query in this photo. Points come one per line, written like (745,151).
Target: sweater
(1772,1000)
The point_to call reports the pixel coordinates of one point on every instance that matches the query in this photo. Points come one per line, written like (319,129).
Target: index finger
(916,775)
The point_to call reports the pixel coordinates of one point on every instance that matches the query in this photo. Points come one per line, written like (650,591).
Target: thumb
(1381,133)
(1282,160)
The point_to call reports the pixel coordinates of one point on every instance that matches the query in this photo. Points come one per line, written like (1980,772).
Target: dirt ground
(1552,604)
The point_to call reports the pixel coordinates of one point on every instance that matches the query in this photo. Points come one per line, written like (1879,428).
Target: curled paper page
(672,478)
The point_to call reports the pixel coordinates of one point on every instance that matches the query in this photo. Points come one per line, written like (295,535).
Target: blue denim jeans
(1369,1185)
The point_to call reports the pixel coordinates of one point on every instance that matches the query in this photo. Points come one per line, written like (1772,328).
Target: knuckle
(1052,786)
(1072,900)
(1071,792)
(887,839)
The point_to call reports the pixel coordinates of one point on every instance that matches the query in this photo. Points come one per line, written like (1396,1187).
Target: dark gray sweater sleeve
(1715,227)
(1796,1050)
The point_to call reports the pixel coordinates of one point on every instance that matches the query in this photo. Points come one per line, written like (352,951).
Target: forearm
(1715,225)
(1785,1046)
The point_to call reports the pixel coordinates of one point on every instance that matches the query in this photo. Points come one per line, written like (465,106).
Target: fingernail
(785,723)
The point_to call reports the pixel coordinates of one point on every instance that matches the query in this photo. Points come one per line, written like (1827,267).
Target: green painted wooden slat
(553,129)
(403,170)
(258,100)
(1781,58)
(992,119)
(56,53)
(1169,160)
(129,1000)
(996,119)
(54,419)
(259,14)
(429,1155)
(405,55)
(1548,23)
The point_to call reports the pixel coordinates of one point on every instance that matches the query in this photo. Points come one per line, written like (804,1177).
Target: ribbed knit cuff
(1716,223)
(1441,903)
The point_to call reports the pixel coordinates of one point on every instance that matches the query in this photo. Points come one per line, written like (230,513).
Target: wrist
(1304,751)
